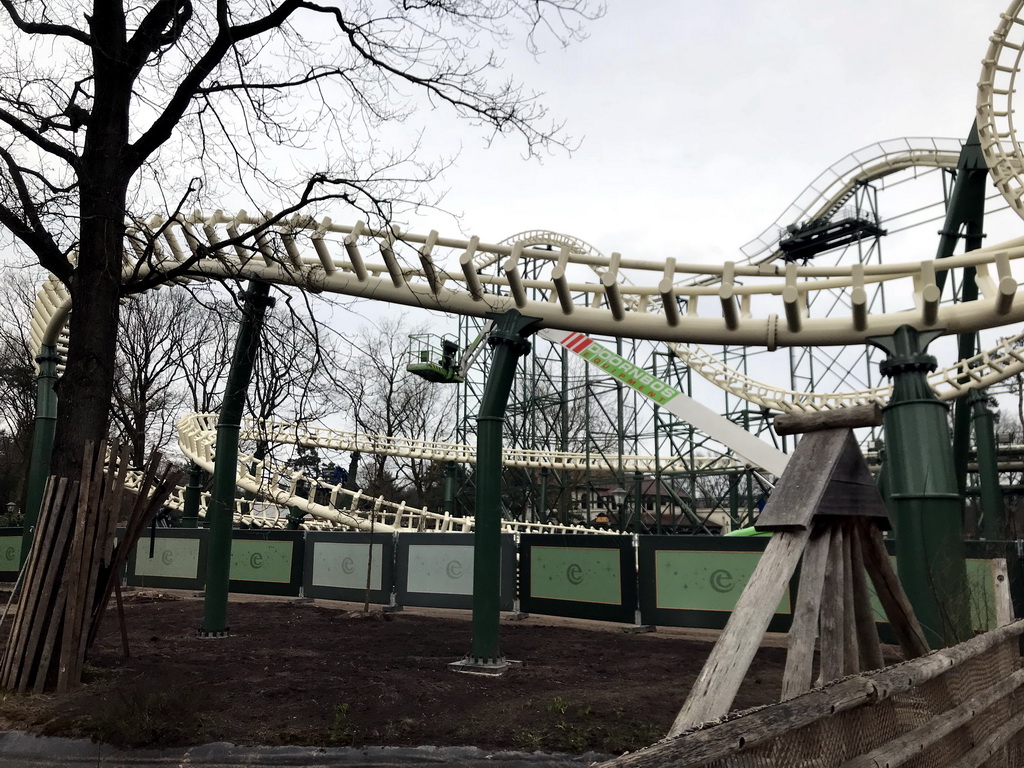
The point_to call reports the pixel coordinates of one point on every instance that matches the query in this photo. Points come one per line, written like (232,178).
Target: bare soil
(322,674)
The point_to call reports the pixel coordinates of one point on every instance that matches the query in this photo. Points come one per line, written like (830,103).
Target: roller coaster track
(331,504)
(997,131)
(753,302)
(286,433)
(834,186)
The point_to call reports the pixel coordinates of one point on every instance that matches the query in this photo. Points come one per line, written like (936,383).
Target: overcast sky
(701,121)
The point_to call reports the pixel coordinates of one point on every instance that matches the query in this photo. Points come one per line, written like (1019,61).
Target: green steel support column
(638,504)
(508,338)
(222,499)
(353,470)
(993,512)
(922,489)
(543,501)
(295,518)
(734,501)
(449,488)
(42,441)
(193,495)
(965,217)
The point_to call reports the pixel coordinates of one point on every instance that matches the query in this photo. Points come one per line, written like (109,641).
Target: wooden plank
(864,615)
(29,609)
(714,741)
(140,516)
(108,570)
(913,743)
(73,571)
(832,609)
(42,531)
(715,689)
(89,566)
(852,490)
(47,593)
(1001,592)
(850,417)
(803,632)
(55,625)
(802,486)
(890,592)
(851,646)
(982,754)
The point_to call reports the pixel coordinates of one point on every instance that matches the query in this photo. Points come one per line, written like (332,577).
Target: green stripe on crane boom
(752,449)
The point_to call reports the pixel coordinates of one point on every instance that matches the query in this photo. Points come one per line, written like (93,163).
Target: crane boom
(755,451)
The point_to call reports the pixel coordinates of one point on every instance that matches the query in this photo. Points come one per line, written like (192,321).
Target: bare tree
(17,386)
(154,338)
(173,356)
(112,112)
(383,398)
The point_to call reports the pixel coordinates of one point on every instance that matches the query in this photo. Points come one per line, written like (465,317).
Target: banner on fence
(695,581)
(267,562)
(586,577)
(10,553)
(172,558)
(338,565)
(435,570)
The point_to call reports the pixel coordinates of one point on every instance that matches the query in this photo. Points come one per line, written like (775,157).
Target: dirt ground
(319,673)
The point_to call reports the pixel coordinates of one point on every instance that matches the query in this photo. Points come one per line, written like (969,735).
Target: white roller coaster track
(755,302)
(272,481)
(1000,142)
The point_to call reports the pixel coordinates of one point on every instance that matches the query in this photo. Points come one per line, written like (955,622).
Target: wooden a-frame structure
(827,510)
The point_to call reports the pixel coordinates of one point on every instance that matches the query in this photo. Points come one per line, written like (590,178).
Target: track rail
(997,129)
(753,302)
(271,481)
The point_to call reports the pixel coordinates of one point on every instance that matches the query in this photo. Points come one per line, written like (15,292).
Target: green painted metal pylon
(922,490)
(42,441)
(508,338)
(220,510)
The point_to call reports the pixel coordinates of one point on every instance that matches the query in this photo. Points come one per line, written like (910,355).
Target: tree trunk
(87,386)
(86,389)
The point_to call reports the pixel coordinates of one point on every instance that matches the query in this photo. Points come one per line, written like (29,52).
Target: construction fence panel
(435,570)
(356,567)
(583,577)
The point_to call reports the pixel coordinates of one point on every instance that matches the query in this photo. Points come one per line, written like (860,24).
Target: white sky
(702,121)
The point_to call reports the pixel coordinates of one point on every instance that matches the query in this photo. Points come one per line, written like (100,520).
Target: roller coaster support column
(993,513)
(924,501)
(541,514)
(219,512)
(42,441)
(193,495)
(965,217)
(508,337)
(449,488)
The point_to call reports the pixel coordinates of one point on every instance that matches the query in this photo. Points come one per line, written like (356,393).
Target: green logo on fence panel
(574,573)
(10,553)
(343,565)
(440,569)
(578,574)
(722,581)
(257,560)
(705,581)
(172,558)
